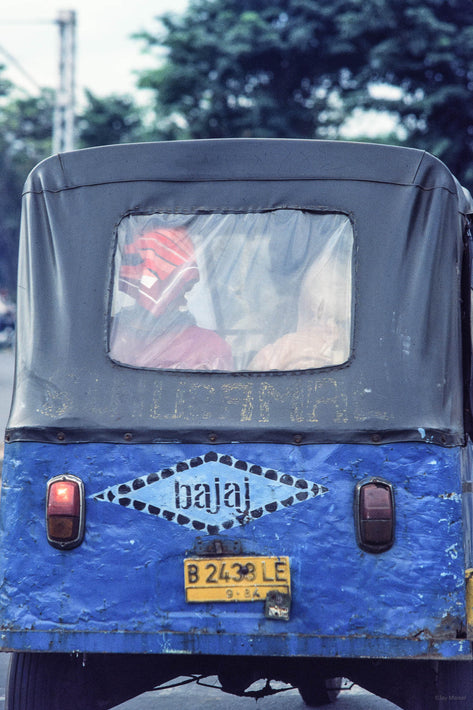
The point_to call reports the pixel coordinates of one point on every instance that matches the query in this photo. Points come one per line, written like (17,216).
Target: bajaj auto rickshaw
(239,442)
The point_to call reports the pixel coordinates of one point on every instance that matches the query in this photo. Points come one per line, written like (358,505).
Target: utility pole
(64,110)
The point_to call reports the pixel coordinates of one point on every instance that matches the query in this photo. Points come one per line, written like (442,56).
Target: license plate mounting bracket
(217,546)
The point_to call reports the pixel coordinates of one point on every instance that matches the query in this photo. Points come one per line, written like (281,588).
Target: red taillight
(65,511)
(374,515)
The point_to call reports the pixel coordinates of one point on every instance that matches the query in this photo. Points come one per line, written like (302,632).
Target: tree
(425,48)
(248,67)
(25,138)
(26,124)
(26,128)
(299,68)
(107,120)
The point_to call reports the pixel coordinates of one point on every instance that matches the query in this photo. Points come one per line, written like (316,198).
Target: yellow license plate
(235,579)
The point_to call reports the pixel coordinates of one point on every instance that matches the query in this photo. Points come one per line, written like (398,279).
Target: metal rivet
(376,438)
(61,436)
(128,436)
(212,437)
(297,439)
(7,437)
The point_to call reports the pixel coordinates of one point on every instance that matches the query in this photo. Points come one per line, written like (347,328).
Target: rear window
(235,292)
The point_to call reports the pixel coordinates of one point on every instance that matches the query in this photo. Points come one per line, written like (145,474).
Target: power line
(17,64)
(64,108)
(27,22)
(13,59)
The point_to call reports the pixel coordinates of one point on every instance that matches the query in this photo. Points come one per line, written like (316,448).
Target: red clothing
(193,348)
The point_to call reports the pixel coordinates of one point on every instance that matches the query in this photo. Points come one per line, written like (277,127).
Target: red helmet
(167,268)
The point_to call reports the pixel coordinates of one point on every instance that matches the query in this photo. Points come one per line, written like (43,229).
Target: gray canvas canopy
(399,373)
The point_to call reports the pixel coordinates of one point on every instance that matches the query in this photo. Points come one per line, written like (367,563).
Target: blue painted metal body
(122,590)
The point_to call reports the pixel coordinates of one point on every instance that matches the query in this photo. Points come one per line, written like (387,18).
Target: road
(6,377)
(192,697)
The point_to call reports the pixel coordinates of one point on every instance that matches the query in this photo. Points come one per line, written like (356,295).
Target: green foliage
(26,124)
(299,68)
(248,68)
(26,128)
(108,120)
(25,138)
(10,193)
(426,49)
(292,68)
(5,84)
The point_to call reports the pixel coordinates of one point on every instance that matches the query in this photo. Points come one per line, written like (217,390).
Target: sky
(106,56)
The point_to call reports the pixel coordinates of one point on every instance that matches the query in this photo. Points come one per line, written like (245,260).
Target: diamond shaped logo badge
(211,493)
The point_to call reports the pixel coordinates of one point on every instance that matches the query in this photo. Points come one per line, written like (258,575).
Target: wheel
(47,681)
(61,681)
(321,691)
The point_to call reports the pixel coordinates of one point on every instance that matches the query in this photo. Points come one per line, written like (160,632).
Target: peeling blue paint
(123,588)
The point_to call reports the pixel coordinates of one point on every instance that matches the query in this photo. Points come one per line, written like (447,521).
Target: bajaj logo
(211,493)
(213,496)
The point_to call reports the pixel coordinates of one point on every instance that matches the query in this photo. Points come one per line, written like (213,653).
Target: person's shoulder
(205,334)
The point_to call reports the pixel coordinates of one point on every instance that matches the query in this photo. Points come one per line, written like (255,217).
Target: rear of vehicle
(239,439)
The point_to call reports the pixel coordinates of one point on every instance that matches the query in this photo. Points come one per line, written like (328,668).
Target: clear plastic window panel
(234,292)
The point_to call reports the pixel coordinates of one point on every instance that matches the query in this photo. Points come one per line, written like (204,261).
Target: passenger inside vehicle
(233,292)
(156,329)
(322,336)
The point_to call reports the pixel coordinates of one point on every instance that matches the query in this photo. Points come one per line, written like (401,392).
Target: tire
(47,681)
(321,691)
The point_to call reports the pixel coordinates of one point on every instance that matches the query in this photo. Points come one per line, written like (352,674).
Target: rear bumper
(278,644)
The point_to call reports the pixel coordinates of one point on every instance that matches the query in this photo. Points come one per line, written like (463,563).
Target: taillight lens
(374,515)
(65,511)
